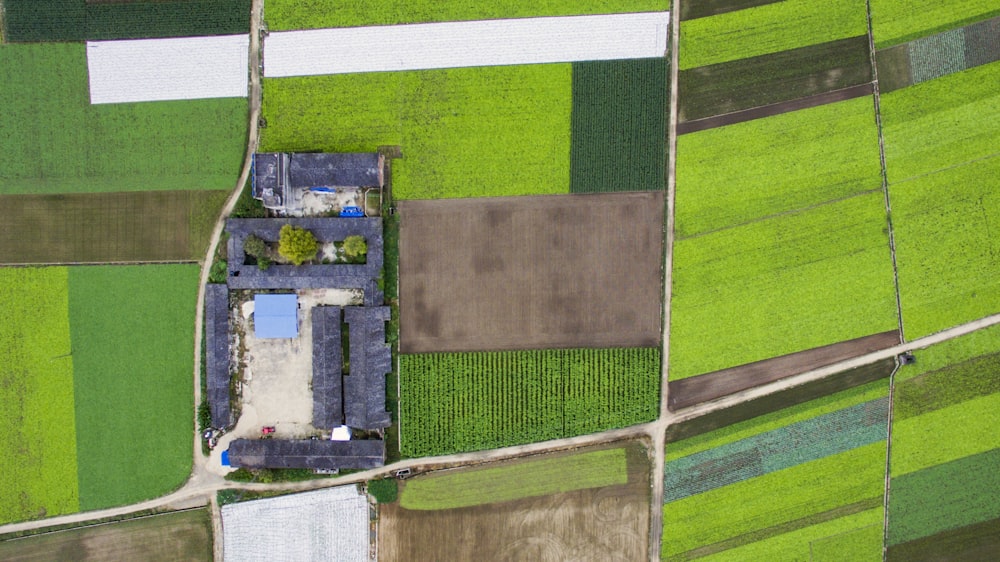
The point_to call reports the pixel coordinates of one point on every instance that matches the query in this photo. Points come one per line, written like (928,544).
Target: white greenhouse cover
(184,68)
(468,43)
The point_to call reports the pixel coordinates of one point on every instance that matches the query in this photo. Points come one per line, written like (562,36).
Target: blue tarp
(276,316)
(352,212)
(225,457)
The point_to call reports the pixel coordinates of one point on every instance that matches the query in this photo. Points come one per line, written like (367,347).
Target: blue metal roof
(276,316)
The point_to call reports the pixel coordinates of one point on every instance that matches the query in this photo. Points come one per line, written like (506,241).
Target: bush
(247,207)
(385,490)
(263,263)
(254,246)
(218,272)
(355,246)
(204,416)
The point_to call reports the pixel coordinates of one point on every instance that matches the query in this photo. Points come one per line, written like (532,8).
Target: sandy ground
(316,204)
(277,376)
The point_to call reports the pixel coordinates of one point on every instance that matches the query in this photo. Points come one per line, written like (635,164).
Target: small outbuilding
(275,316)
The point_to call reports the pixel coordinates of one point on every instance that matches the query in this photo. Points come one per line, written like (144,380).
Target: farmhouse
(341,395)
(279,180)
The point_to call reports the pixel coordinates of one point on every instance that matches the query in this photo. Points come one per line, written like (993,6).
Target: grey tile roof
(370,361)
(217,353)
(336,169)
(327,365)
(306,453)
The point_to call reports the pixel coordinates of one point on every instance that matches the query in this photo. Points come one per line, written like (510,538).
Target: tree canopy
(297,244)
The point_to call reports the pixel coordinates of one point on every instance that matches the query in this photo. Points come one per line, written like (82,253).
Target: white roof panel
(468,43)
(182,68)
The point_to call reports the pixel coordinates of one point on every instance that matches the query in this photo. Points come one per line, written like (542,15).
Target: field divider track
(888,461)
(876,99)
(659,427)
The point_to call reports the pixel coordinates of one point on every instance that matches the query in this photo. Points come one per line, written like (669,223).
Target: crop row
(478,400)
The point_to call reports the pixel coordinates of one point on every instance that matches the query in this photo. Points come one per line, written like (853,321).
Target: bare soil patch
(603,524)
(702,388)
(531,272)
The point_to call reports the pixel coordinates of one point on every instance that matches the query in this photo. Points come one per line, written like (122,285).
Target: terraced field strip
(768,28)
(899,21)
(526,478)
(297,14)
(109,227)
(80,20)
(460,129)
(455,402)
(54,141)
(619,127)
(942,164)
(465,44)
(776,78)
(37,431)
(132,329)
(182,68)
(938,55)
(185,535)
(558,526)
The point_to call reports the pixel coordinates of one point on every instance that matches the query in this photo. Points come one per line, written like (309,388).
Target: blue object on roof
(352,212)
(275,316)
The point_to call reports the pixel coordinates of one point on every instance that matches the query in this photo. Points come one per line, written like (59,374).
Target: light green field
(856,537)
(54,141)
(781,418)
(942,123)
(781,285)
(308,14)
(530,478)
(769,28)
(774,499)
(899,21)
(469,132)
(738,173)
(956,350)
(947,434)
(946,249)
(37,430)
(133,338)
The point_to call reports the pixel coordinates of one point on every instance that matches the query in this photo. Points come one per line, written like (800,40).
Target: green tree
(297,244)
(254,246)
(355,246)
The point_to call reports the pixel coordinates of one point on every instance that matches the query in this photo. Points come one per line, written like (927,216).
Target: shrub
(355,246)
(254,246)
(297,244)
(385,490)
(218,272)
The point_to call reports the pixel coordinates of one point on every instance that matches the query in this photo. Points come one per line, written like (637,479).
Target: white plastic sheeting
(330,524)
(168,69)
(469,43)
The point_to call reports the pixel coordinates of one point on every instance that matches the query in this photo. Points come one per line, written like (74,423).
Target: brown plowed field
(702,388)
(602,524)
(531,272)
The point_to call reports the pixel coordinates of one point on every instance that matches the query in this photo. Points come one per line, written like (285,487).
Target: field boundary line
(888,465)
(947,168)
(877,101)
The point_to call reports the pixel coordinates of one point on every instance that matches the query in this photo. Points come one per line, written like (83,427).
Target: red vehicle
(267,430)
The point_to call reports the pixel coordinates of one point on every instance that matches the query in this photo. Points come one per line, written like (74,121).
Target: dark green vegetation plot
(782,486)
(464,132)
(972,542)
(308,14)
(133,332)
(170,537)
(705,8)
(899,21)
(481,400)
(619,129)
(944,497)
(108,227)
(947,387)
(37,437)
(773,78)
(78,20)
(54,141)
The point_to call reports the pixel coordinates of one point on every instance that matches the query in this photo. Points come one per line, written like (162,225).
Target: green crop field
(769,28)
(516,480)
(789,283)
(967,428)
(469,401)
(468,132)
(733,175)
(805,479)
(299,14)
(941,123)
(899,21)
(133,338)
(78,20)
(37,430)
(54,141)
(619,129)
